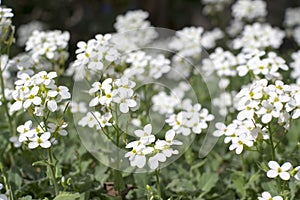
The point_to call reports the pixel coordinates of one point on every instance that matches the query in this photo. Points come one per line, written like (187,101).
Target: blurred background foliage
(85,18)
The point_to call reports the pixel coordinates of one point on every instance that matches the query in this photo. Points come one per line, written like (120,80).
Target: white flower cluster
(189,41)
(285,171)
(249,9)
(267,101)
(5,14)
(258,104)
(165,104)
(261,64)
(49,45)
(119,91)
(191,118)
(94,56)
(143,65)
(96,120)
(25,31)
(258,64)
(224,102)
(38,92)
(241,134)
(292,17)
(134,29)
(296,35)
(148,147)
(292,23)
(41,135)
(259,36)
(295,65)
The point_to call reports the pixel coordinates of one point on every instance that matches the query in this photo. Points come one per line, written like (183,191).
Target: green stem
(272,143)
(52,177)
(6,183)
(243,165)
(158,183)
(9,118)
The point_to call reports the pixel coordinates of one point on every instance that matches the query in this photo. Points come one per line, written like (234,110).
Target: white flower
(137,156)
(42,141)
(25,131)
(276,169)
(32,98)
(239,142)
(45,78)
(145,135)
(267,196)
(2,196)
(80,107)
(57,128)
(153,161)
(165,145)
(91,120)
(124,100)
(15,141)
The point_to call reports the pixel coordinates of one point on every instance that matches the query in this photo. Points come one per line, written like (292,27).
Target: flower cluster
(189,41)
(191,118)
(119,91)
(43,135)
(135,28)
(142,65)
(24,31)
(165,104)
(258,104)
(249,9)
(38,92)
(49,45)
(295,65)
(96,120)
(143,148)
(292,23)
(267,101)
(258,64)
(95,56)
(292,16)
(259,36)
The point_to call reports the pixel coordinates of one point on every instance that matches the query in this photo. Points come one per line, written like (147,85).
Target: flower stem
(158,183)
(51,166)
(9,119)
(272,143)
(6,183)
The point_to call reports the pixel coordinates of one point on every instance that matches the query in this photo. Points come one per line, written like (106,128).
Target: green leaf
(67,196)
(100,174)
(181,185)
(208,181)
(28,197)
(239,183)
(198,165)
(40,163)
